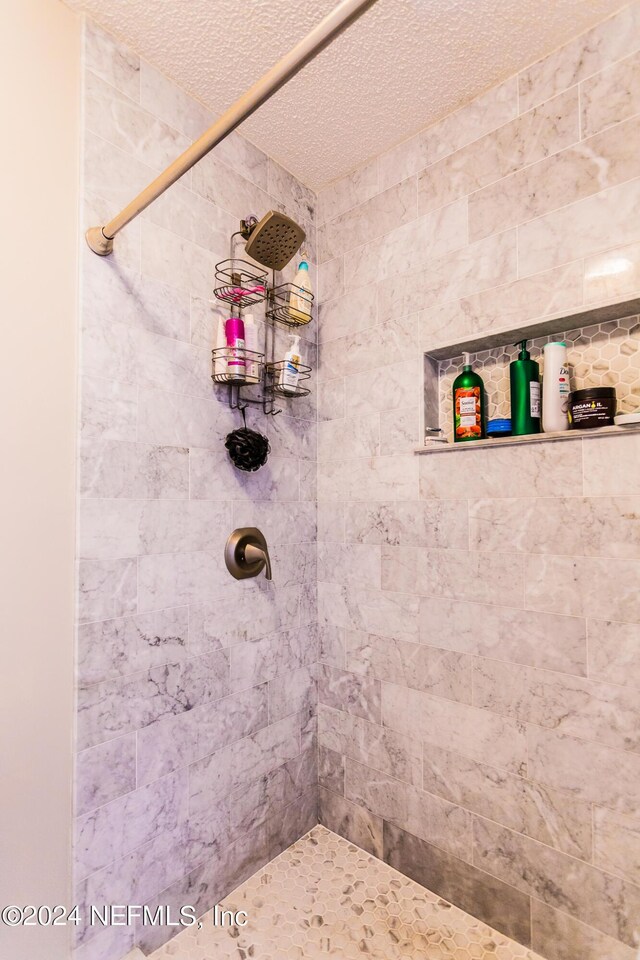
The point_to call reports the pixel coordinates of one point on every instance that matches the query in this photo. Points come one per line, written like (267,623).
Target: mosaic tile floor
(324,897)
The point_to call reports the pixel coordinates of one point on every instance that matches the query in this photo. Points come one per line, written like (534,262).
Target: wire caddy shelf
(240,283)
(290,305)
(254,376)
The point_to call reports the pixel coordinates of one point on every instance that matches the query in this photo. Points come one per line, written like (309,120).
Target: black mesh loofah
(248,450)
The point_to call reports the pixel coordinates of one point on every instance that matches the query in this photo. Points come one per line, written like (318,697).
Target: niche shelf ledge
(436,446)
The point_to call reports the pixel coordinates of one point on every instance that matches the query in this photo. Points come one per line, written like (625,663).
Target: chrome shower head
(275,240)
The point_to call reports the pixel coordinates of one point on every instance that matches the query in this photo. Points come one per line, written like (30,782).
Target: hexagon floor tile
(325,897)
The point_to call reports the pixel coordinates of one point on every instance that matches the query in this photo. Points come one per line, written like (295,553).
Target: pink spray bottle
(234,334)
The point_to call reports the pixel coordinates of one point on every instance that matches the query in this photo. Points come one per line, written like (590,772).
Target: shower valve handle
(246,554)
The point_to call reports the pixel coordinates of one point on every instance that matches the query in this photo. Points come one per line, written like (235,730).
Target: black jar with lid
(593,407)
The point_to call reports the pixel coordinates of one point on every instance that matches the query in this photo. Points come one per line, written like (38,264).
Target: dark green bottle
(468,405)
(524,380)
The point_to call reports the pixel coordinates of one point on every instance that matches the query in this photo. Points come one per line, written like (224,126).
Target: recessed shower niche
(603,350)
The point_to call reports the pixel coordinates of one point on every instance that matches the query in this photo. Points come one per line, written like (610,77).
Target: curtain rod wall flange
(100,239)
(100,244)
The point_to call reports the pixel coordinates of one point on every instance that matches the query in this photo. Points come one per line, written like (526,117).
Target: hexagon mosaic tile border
(325,897)
(605,354)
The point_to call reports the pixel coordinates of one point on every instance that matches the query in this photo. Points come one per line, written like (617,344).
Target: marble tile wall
(196,739)
(479,624)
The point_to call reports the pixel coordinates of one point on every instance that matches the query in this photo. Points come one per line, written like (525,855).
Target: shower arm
(100,239)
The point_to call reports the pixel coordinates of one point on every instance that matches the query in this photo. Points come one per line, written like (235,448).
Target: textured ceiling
(401,67)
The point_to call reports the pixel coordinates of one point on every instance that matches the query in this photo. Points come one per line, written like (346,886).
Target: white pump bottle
(291,367)
(300,299)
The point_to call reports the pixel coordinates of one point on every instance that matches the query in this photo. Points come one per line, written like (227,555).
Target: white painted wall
(39,107)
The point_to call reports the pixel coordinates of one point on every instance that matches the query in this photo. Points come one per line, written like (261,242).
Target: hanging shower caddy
(254,377)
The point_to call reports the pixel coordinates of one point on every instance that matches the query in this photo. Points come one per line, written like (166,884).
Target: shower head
(275,240)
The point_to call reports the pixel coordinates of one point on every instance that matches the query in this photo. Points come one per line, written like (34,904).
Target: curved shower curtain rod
(100,239)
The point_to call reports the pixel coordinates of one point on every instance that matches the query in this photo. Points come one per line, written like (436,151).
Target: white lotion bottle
(556,389)
(300,299)
(220,355)
(254,355)
(290,373)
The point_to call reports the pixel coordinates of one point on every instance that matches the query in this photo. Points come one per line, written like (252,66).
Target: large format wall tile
(389,614)
(407,247)
(348,314)
(163,99)
(405,523)
(422,814)
(456,574)
(350,191)
(600,479)
(607,219)
(467,730)
(515,572)
(440,672)
(602,161)
(531,808)
(581,58)
(514,304)
(177,662)
(588,771)
(616,843)
(127,645)
(114,830)
(115,63)
(584,586)
(478,266)
(558,936)
(104,772)
(373,218)
(612,275)
(128,126)
(504,633)
(496,903)
(488,112)
(614,651)
(611,96)
(351,821)
(381,748)
(604,712)
(354,693)
(547,471)
(607,903)
(597,526)
(530,137)
(118,469)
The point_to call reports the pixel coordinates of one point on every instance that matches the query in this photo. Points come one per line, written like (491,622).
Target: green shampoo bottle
(524,380)
(468,405)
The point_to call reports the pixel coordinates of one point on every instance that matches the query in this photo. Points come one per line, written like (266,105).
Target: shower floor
(324,897)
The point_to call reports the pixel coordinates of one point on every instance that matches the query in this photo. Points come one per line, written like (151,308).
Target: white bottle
(300,299)
(220,355)
(291,367)
(556,390)
(254,355)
